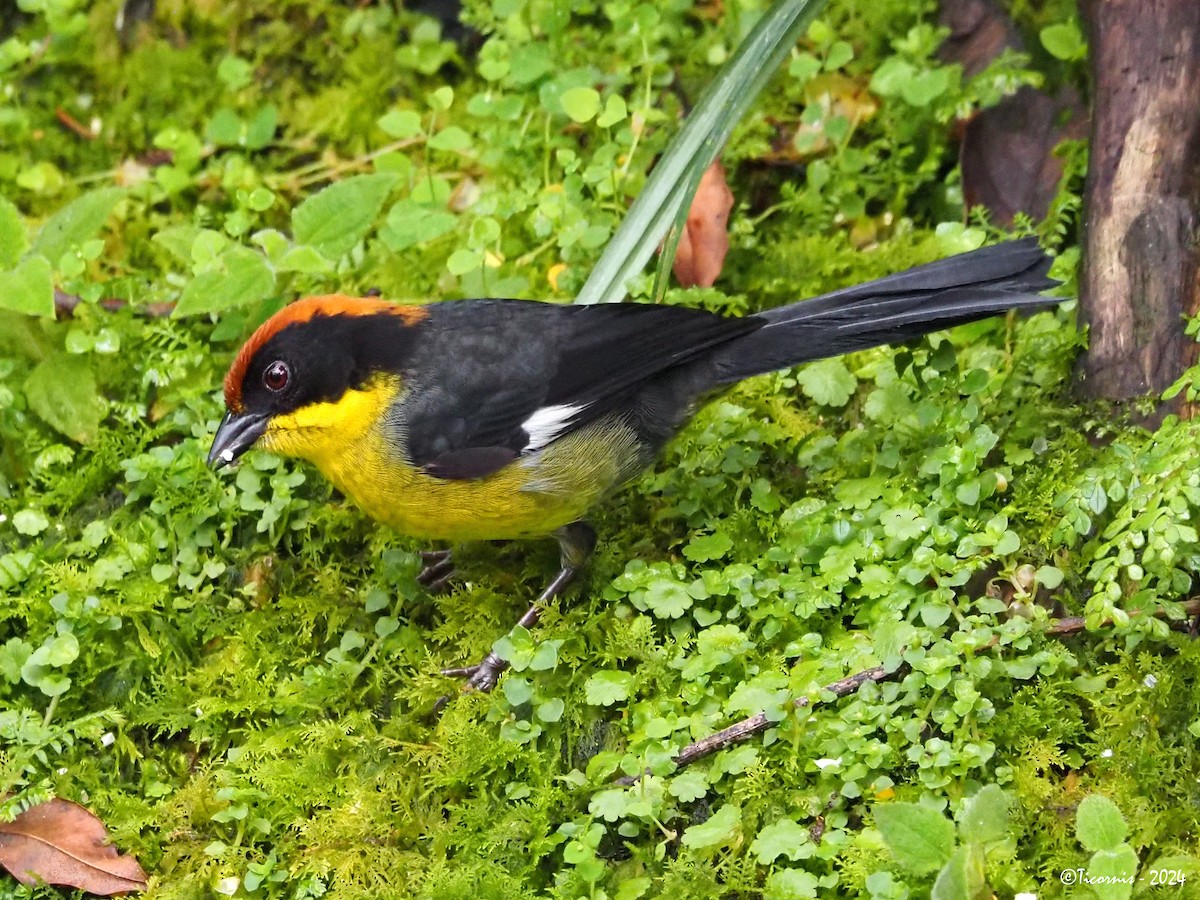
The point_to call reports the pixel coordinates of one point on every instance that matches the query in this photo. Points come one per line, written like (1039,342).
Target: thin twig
(759,723)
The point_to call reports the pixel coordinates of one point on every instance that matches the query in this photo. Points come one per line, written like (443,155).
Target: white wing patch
(547,423)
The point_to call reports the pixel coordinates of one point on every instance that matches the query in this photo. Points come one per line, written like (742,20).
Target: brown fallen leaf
(979,31)
(1007,152)
(705,240)
(61,843)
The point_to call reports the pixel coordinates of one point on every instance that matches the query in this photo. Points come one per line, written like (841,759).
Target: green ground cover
(237,671)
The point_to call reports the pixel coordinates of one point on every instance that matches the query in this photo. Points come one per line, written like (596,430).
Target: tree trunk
(1141,266)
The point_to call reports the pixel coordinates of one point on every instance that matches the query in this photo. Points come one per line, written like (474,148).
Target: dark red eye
(277,375)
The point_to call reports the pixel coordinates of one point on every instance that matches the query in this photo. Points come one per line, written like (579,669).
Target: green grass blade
(669,189)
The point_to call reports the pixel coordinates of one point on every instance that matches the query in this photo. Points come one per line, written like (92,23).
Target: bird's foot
(482,676)
(437,571)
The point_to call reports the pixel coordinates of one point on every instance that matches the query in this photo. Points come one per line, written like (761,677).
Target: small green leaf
(920,838)
(410,223)
(890,77)
(782,838)
(464,260)
(926,86)
(30,522)
(827,381)
(335,219)
(1049,577)
(608,687)
(708,547)
(720,828)
(29,288)
(614,111)
(451,138)
(13,240)
(1112,873)
(235,72)
(400,124)
(62,650)
(551,710)
(791,884)
(581,103)
(962,877)
(984,817)
(1064,41)
(1099,824)
(1009,542)
(688,785)
(75,223)
(238,277)
(62,391)
(839,54)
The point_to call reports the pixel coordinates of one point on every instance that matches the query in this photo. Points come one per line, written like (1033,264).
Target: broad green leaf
(665,198)
(984,817)
(178,241)
(920,838)
(75,223)
(338,217)
(29,288)
(1099,824)
(13,240)
(962,877)
(239,276)
(607,687)
(719,829)
(827,381)
(1112,873)
(708,547)
(689,785)
(410,223)
(782,838)
(62,391)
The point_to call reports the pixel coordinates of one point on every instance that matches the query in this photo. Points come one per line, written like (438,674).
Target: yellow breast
(347,440)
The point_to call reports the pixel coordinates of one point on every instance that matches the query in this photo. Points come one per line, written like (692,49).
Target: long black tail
(949,292)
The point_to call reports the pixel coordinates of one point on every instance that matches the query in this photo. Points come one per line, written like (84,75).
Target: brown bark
(1142,198)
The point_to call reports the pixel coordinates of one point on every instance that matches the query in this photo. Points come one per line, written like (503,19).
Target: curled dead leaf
(61,843)
(705,240)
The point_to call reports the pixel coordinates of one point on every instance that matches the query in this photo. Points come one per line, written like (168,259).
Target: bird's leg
(437,571)
(576,542)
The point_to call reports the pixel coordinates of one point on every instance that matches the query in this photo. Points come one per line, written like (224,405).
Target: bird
(499,419)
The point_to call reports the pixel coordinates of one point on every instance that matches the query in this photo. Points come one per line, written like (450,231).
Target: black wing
(493,379)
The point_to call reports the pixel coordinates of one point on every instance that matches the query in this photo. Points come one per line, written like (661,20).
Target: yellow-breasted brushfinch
(492,419)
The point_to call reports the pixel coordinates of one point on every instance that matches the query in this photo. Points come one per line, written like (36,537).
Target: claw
(437,571)
(576,542)
(483,676)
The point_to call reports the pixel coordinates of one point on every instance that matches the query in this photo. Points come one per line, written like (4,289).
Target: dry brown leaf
(705,240)
(61,843)
(1007,152)
(979,31)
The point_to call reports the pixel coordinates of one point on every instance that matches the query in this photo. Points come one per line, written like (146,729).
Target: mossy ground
(237,672)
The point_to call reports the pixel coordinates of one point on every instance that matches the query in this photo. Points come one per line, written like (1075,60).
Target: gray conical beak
(237,434)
